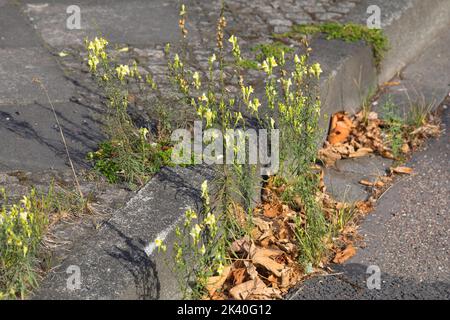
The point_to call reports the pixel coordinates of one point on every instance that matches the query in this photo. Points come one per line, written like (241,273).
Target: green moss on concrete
(349,32)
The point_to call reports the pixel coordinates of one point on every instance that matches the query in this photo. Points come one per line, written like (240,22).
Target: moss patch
(263,51)
(349,32)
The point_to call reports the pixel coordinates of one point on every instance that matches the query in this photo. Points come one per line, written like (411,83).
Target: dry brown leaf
(366,183)
(265,294)
(364,206)
(262,224)
(285,278)
(340,128)
(289,247)
(387,154)
(243,290)
(271,210)
(428,130)
(379,184)
(405,148)
(344,149)
(251,269)
(360,153)
(131,98)
(215,283)
(273,281)
(391,84)
(328,156)
(402,170)
(255,233)
(241,245)
(239,213)
(344,255)
(372,116)
(262,258)
(238,275)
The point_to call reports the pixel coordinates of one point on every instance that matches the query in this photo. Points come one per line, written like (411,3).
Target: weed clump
(131,154)
(22,227)
(292,108)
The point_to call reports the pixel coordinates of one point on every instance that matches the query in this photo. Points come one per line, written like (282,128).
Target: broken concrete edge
(120,261)
(410,27)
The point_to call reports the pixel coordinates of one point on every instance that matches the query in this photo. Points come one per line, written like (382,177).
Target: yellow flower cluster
(16,227)
(21,228)
(96,51)
(268,65)
(235,50)
(122,71)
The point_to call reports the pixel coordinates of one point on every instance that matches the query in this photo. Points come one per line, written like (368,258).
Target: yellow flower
(203,98)
(122,71)
(196,78)
(143,132)
(269,64)
(210,219)
(195,233)
(209,116)
(160,245)
(183,10)
(97,47)
(205,188)
(212,59)
(93,62)
(236,50)
(25,250)
(254,105)
(189,214)
(316,70)
(177,62)
(220,269)
(233,40)
(239,117)
(179,255)
(23,215)
(246,92)
(203,249)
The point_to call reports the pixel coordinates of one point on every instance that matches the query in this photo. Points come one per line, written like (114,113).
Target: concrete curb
(350,73)
(119,261)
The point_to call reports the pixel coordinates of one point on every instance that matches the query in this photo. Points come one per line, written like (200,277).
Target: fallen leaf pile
(265,264)
(265,261)
(360,135)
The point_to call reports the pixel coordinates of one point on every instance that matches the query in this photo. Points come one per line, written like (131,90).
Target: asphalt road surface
(407,238)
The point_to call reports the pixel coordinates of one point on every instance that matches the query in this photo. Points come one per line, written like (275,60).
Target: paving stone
(367,166)
(34,141)
(342,181)
(345,186)
(14,32)
(133,22)
(18,68)
(7,179)
(328,16)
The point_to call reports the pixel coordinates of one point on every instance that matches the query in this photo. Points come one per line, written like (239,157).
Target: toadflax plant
(289,103)
(199,251)
(22,227)
(129,155)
